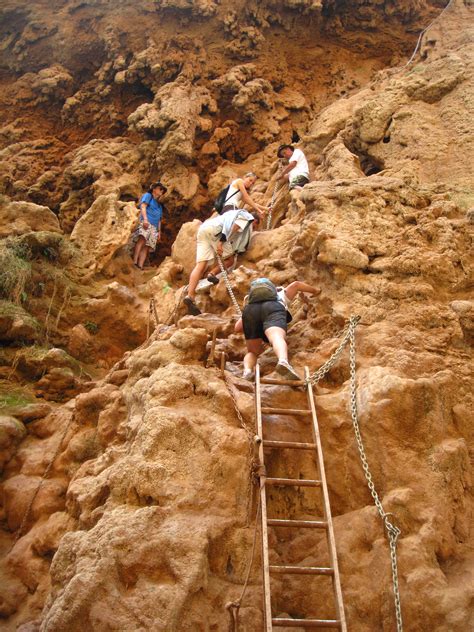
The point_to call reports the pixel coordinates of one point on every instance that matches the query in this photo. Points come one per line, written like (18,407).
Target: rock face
(105,227)
(17,218)
(127,499)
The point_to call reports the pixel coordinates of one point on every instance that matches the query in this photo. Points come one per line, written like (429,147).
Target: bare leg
(138,248)
(277,338)
(142,255)
(195,277)
(254,349)
(227,264)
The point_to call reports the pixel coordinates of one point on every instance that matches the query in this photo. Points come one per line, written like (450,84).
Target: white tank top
(236,199)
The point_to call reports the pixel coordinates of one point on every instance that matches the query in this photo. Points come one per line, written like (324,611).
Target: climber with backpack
(265,319)
(223,236)
(235,195)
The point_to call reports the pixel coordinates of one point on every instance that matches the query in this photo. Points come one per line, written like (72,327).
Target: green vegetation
(12,397)
(464,199)
(91,327)
(15,271)
(417,68)
(13,310)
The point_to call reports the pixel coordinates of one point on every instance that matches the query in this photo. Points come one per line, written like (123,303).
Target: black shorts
(257,317)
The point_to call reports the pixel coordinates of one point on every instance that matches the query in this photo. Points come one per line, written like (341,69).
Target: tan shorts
(207,244)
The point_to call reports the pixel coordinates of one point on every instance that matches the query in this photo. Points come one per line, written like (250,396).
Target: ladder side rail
(263,504)
(327,508)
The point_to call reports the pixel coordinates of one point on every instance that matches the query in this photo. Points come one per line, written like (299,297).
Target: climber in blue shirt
(149,229)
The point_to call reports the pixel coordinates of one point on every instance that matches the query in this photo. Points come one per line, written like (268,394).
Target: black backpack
(220,200)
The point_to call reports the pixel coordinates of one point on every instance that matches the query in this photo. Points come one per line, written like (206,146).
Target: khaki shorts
(207,243)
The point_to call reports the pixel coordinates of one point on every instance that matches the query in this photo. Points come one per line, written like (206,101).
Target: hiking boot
(193,309)
(212,279)
(249,375)
(285,369)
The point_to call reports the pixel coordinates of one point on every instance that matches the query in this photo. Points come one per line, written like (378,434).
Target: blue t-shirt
(154,210)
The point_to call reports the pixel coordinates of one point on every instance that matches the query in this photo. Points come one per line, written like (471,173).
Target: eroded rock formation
(142,520)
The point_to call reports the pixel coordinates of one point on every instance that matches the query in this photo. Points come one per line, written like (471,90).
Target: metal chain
(393,532)
(327,366)
(228,285)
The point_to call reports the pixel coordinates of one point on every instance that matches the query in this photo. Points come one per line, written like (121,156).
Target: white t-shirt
(301,168)
(231,199)
(283,298)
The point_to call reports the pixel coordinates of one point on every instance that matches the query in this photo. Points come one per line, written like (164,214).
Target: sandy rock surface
(127,493)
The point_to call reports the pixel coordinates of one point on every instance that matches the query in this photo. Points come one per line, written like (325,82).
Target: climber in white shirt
(297,170)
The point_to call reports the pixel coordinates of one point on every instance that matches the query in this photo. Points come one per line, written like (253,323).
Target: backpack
(220,200)
(262,290)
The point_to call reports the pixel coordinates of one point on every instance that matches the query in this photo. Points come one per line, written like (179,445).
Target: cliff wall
(144,518)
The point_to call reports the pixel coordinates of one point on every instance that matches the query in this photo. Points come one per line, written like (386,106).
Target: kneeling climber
(265,319)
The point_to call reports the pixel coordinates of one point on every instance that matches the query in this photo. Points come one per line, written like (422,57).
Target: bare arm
(291,165)
(144,215)
(239,327)
(299,286)
(248,200)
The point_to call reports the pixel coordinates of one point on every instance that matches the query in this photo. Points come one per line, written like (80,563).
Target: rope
(250,437)
(425,30)
(228,285)
(176,307)
(40,484)
(393,532)
(233,607)
(276,189)
(151,314)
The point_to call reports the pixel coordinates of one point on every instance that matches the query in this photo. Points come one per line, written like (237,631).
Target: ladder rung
(271,380)
(284,411)
(296,482)
(288,444)
(310,524)
(302,570)
(307,623)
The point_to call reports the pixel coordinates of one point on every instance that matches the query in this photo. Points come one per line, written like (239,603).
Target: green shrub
(15,272)
(91,327)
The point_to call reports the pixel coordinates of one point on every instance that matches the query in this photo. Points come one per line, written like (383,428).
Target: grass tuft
(15,272)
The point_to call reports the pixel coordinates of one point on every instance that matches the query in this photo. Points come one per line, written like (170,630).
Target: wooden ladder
(324,523)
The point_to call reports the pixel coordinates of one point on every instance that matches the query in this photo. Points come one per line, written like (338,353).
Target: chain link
(327,366)
(228,285)
(393,532)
